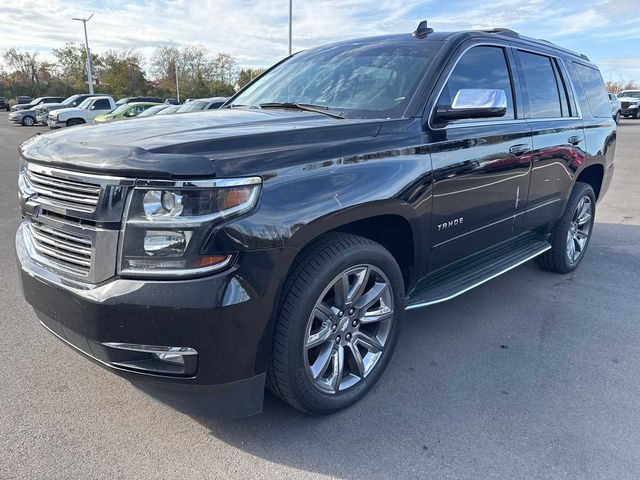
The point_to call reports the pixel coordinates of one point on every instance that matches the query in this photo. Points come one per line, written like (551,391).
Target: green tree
(121,73)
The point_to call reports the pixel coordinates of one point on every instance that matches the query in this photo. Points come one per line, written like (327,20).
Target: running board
(452,282)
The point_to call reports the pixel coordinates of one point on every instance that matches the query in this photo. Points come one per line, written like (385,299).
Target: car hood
(212,143)
(61,111)
(51,105)
(628,99)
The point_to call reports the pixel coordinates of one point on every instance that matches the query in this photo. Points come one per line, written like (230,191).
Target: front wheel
(28,121)
(338,324)
(570,238)
(617,118)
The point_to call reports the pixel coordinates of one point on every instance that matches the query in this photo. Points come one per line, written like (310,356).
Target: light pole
(290,23)
(86,40)
(175,69)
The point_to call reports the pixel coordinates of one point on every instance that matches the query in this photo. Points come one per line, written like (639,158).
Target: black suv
(279,240)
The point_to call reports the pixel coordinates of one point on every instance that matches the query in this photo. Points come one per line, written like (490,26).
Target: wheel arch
(386,224)
(594,176)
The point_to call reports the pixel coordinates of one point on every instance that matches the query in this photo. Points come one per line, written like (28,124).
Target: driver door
(481,166)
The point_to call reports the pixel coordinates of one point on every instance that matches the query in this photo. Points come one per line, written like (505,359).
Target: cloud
(256,32)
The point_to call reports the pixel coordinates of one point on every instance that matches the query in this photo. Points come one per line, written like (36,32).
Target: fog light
(165,243)
(175,358)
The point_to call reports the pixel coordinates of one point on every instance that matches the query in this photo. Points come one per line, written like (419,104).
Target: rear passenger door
(558,136)
(480,166)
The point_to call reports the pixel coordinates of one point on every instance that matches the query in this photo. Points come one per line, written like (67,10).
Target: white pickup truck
(83,113)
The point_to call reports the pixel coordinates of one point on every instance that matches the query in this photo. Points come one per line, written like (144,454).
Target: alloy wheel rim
(579,229)
(348,329)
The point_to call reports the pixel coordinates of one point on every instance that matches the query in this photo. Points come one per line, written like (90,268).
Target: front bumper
(630,111)
(55,123)
(15,119)
(223,317)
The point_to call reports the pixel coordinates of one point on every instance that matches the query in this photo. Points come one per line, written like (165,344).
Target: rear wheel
(338,324)
(571,236)
(28,121)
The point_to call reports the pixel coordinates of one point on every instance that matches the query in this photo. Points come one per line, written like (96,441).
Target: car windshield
(168,110)
(120,109)
(37,100)
(70,100)
(152,111)
(358,80)
(86,103)
(193,106)
(633,94)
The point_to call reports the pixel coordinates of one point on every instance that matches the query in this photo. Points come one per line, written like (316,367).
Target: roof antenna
(423,30)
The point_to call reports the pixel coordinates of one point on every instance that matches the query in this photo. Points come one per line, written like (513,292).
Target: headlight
(166,224)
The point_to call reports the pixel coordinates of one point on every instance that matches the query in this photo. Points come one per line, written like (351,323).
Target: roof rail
(510,33)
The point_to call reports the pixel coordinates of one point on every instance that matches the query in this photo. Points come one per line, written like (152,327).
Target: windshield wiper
(302,106)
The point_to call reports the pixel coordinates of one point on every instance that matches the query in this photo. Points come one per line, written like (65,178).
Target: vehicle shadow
(511,380)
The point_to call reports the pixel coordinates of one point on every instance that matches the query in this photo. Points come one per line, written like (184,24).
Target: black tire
(557,259)
(74,121)
(312,274)
(637,114)
(28,121)
(617,118)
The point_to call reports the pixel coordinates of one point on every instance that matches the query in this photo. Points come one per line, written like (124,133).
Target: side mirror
(93,107)
(475,103)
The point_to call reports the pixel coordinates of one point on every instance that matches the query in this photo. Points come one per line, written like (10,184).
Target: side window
(595,90)
(541,85)
(577,85)
(480,67)
(102,104)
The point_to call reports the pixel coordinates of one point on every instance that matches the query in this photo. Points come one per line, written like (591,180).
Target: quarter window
(541,85)
(595,90)
(480,67)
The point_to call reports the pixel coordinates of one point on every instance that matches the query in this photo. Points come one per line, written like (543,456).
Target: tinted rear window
(541,86)
(595,90)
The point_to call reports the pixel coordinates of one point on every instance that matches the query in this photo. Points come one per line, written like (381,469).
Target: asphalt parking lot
(533,375)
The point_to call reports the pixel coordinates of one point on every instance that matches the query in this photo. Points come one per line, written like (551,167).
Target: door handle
(519,149)
(575,139)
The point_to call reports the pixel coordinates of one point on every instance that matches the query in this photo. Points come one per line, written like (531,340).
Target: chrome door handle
(575,139)
(519,149)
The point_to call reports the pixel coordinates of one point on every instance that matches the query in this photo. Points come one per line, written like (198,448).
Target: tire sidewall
(582,189)
(28,123)
(308,394)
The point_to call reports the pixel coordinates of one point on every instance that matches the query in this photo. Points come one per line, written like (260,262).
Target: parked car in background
(84,113)
(630,103)
(42,110)
(4,104)
(122,101)
(26,117)
(154,110)
(23,99)
(280,241)
(36,102)
(198,104)
(123,112)
(171,101)
(615,107)
(169,110)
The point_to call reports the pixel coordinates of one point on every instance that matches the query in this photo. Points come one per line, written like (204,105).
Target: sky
(255,32)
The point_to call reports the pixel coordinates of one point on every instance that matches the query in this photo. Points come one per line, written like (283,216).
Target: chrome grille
(624,104)
(63,191)
(66,250)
